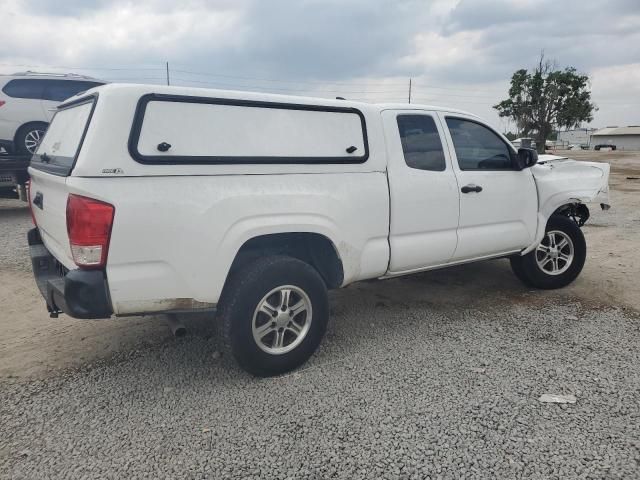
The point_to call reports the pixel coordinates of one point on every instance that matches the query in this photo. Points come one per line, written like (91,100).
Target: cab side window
(421,142)
(478,147)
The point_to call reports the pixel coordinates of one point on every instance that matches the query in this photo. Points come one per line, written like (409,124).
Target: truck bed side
(174,238)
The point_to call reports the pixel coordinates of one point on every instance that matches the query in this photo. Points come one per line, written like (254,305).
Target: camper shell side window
(178,129)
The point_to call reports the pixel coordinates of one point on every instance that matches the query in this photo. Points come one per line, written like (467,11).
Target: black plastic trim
(7,144)
(78,293)
(59,165)
(138,119)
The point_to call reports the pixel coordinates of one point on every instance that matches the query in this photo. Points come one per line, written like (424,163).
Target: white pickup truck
(150,199)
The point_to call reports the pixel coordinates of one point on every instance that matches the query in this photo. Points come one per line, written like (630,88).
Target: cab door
(498,202)
(423,191)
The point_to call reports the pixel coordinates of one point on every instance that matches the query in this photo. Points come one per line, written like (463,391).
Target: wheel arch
(24,126)
(316,249)
(28,124)
(557,205)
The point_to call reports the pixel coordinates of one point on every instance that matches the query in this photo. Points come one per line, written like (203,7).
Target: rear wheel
(273,314)
(559,258)
(29,137)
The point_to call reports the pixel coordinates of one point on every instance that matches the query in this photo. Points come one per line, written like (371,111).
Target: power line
(216,75)
(322,82)
(162,68)
(258,79)
(415,86)
(132,79)
(288,89)
(343,91)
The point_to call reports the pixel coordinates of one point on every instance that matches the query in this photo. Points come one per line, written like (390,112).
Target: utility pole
(168,83)
(409,89)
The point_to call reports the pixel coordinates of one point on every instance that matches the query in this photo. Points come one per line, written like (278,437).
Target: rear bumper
(78,293)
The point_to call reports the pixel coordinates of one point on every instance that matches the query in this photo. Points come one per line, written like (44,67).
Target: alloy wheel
(32,140)
(555,253)
(282,319)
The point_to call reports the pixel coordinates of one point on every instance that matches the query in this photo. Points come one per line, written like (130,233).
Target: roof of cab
(137,90)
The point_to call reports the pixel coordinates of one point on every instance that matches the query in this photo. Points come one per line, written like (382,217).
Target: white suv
(27,103)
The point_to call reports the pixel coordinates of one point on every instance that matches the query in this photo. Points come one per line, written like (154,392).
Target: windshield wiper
(45,158)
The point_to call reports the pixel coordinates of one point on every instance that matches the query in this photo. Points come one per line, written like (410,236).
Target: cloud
(124,32)
(458,52)
(583,34)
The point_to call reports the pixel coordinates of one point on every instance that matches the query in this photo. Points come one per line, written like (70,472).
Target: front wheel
(559,258)
(273,314)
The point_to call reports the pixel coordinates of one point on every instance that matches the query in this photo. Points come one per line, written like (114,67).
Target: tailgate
(50,167)
(48,195)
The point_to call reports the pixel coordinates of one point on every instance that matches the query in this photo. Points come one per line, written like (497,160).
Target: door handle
(37,200)
(471,188)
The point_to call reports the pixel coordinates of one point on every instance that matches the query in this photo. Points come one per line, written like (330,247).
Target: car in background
(524,142)
(27,104)
(605,146)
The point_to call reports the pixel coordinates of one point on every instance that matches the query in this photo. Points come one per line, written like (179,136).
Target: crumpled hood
(561,179)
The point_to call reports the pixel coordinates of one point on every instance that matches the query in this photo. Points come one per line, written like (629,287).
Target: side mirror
(527,157)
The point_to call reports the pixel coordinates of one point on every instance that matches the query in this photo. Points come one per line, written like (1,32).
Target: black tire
(245,290)
(526,267)
(23,141)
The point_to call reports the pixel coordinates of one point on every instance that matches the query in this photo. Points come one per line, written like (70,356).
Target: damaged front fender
(561,181)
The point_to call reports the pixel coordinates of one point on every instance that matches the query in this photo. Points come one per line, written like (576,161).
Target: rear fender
(257,226)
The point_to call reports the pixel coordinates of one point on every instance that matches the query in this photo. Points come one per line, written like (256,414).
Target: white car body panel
(500,219)
(185,246)
(560,180)
(18,111)
(424,210)
(178,227)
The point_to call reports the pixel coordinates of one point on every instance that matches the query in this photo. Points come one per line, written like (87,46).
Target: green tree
(546,99)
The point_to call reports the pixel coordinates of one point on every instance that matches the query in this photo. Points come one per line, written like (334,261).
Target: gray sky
(459,53)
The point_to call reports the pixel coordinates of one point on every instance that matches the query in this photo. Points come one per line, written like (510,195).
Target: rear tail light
(33,217)
(2,102)
(89,225)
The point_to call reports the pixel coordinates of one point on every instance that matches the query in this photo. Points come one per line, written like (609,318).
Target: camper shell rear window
(59,149)
(177,129)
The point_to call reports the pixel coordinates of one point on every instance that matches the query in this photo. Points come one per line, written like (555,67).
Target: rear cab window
(62,142)
(202,130)
(421,143)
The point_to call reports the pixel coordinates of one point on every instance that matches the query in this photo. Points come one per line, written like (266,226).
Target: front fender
(561,181)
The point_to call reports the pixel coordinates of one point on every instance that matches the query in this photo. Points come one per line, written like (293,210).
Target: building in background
(578,136)
(624,138)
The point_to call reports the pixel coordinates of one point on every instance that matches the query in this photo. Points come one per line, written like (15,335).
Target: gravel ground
(14,224)
(393,393)
(435,375)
